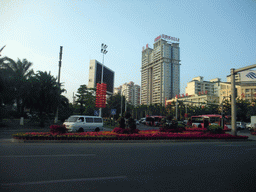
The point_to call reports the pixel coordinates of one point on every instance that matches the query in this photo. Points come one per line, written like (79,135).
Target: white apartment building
(217,91)
(160,71)
(198,85)
(131,93)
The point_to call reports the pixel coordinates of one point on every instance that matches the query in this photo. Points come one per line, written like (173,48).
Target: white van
(80,123)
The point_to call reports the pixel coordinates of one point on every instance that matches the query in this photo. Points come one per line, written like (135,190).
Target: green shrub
(174,124)
(181,126)
(131,123)
(127,115)
(121,122)
(215,129)
(58,129)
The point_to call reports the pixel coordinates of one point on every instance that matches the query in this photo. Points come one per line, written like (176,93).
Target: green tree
(6,87)
(44,95)
(226,107)
(251,111)
(114,102)
(19,71)
(66,109)
(242,108)
(85,102)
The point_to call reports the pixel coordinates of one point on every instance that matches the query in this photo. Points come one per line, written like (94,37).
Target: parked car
(143,120)
(240,125)
(248,126)
(182,122)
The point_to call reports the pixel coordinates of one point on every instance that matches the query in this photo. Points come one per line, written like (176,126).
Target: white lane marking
(63,155)
(64,180)
(230,145)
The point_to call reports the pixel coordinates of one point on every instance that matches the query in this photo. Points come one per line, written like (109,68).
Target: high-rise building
(160,71)
(131,93)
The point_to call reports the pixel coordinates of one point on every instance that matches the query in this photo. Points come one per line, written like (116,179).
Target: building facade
(198,85)
(131,93)
(199,92)
(245,84)
(196,100)
(160,72)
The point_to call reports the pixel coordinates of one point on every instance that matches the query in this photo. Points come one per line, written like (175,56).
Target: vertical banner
(101,92)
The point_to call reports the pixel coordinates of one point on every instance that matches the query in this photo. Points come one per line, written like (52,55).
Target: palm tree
(44,95)
(20,72)
(6,89)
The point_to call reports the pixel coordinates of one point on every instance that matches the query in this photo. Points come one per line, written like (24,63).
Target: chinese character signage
(166,37)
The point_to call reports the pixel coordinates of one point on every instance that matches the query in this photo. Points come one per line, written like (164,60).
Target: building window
(91,67)
(247,90)
(90,80)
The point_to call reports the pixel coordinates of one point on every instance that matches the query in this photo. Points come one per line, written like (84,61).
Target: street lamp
(103,51)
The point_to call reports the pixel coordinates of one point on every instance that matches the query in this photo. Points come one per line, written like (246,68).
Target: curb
(120,141)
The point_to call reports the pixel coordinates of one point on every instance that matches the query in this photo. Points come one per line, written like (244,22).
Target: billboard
(249,75)
(108,77)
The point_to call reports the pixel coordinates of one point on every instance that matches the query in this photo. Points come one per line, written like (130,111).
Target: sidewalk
(244,133)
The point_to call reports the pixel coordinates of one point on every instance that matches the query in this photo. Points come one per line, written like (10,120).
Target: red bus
(154,120)
(211,119)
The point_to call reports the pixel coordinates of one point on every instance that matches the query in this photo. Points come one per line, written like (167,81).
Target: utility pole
(57,111)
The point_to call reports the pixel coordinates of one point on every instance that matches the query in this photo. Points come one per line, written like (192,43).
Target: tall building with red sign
(160,71)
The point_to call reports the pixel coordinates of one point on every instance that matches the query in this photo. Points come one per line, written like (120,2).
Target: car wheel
(80,130)
(97,129)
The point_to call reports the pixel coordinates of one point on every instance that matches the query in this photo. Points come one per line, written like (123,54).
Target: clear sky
(215,35)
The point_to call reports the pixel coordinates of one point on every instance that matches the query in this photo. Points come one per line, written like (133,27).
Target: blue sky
(215,35)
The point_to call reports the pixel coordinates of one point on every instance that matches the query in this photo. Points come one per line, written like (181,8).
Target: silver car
(240,125)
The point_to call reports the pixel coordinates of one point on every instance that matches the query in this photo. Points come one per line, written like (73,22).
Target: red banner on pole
(101,92)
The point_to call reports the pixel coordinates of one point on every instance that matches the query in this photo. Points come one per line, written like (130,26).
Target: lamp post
(103,51)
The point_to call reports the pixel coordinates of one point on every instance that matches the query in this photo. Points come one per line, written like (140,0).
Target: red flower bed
(125,131)
(253,133)
(178,130)
(201,129)
(111,135)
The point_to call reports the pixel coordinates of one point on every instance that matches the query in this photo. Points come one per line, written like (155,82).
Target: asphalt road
(65,167)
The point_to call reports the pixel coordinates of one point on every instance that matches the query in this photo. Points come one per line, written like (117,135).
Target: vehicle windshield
(197,119)
(149,119)
(72,119)
(214,119)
